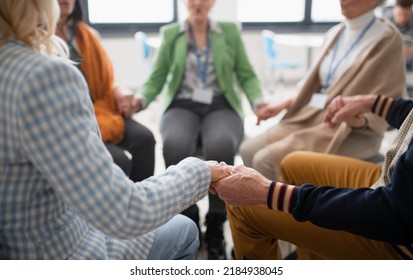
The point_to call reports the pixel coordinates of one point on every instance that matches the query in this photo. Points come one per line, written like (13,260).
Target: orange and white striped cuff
(280,196)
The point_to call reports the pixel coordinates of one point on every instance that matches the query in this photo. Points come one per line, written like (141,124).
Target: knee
(148,138)
(176,150)
(246,152)
(144,138)
(188,232)
(220,150)
(176,239)
(289,160)
(263,163)
(293,159)
(294,163)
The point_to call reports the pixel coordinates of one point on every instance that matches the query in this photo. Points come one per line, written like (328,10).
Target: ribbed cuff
(382,105)
(280,196)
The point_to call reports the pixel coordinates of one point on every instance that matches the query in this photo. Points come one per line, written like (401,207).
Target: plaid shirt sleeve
(58,127)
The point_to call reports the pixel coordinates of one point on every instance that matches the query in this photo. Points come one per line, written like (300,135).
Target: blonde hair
(32,22)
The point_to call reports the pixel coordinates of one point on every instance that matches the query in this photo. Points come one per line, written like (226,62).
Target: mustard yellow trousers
(256,229)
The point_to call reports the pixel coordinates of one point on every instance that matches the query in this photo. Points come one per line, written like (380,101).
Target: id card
(318,101)
(202,95)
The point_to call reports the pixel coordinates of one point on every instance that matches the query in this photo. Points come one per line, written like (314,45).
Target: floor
(151,117)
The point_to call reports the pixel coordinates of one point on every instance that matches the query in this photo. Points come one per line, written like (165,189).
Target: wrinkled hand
(348,109)
(244,186)
(218,170)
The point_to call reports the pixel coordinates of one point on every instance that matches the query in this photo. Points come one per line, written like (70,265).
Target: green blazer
(231,64)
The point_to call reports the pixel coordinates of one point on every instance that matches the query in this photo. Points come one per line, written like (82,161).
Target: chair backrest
(269,43)
(142,40)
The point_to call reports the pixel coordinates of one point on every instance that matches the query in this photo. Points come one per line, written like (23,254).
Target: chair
(146,51)
(272,57)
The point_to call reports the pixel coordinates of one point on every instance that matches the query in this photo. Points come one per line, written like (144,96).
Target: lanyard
(201,70)
(332,70)
(72,35)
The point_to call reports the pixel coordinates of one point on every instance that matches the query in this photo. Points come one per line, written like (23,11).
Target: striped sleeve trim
(280,196)
(382,105)
(406,252)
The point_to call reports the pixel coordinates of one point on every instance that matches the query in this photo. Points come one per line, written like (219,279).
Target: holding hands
(127,103)
(242,186)
(218,170)
(266,110)
(349,109)
(124,99)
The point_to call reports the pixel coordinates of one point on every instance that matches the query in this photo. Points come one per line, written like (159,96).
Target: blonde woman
(62,197)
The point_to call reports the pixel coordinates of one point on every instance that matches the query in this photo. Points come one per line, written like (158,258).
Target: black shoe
(216,249)
(214,237)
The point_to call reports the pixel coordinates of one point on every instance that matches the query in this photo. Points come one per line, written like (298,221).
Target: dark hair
(404,3)
(77,14)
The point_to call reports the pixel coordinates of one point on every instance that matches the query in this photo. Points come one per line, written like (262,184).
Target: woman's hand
(265,111)
(218,170)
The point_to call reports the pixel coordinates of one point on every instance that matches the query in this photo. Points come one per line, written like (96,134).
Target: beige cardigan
(379,70)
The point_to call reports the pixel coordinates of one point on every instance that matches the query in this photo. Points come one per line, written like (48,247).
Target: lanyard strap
(72,35)
(332,70)
(201,70)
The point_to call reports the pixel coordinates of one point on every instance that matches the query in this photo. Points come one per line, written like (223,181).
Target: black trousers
(135,154)
(217,127)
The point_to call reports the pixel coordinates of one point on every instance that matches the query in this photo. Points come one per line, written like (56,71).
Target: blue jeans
(176,240)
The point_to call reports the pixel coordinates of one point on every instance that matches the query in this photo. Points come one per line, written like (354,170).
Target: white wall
(130,68)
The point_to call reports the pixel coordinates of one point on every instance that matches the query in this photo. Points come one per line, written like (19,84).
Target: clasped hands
(238,185)
(349,109)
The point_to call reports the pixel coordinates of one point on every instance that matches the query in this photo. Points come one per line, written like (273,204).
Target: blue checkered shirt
(61,196)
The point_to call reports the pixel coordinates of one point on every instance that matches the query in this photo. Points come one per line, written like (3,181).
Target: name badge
(318,101)
(202,95)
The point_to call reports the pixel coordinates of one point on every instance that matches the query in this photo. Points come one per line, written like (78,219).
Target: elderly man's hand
(244,186)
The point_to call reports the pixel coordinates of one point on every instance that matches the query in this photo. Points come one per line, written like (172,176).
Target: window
(270,11)
(326,11)
(130,14)
(125,16)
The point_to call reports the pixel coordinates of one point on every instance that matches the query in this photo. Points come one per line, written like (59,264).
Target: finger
(212,190)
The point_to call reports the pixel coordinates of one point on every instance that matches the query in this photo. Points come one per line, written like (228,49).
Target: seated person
(401,14)
(131,144)
(362,55)
(205,61)
(62,196)
(331,207)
